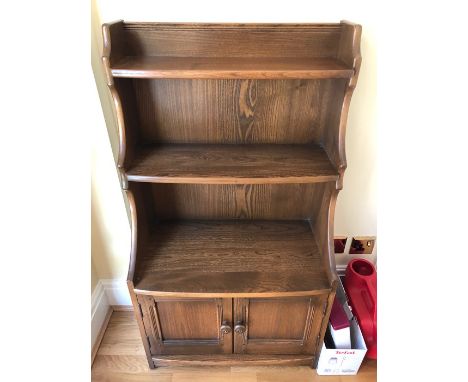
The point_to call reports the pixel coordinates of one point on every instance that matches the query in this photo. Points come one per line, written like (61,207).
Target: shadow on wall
(110,230)
(99,251)
(356,205)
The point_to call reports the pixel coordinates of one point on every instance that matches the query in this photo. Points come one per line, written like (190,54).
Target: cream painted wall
(356,210)
(94,276)
(110,229)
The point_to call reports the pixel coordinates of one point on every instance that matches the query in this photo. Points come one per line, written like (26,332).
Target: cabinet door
(287,325)
(187,325)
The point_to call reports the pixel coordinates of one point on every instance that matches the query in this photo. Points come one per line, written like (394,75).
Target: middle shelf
(233,257)
(231,164)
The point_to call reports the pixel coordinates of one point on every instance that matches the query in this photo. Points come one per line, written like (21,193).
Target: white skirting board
(116,291)
(106,294)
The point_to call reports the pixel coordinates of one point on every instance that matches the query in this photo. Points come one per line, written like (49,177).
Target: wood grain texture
(222,101)
(122,133)
(127,121)
(124,106)
(232,111)
(235,201)
(231,40)
(279,325)
(349,49)
(322,224)
(139,237)
(141,217)
(121,358)
(328,131)
(233,359)
(333,137)
(322,326)
(111,52)
(122,308)
(100,335)
(187,326)
(139,221)
(233,284)
(215,258)
(200,319)
(277,319)
(230,67)
(323,227)
(232,164)
(141,323)
(122,337)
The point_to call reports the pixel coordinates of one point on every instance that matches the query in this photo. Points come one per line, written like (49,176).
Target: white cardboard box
(341,337)
(343,361)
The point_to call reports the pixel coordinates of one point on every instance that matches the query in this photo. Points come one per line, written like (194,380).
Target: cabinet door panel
(200,320)
(289,325)
(277,320)
(187,325)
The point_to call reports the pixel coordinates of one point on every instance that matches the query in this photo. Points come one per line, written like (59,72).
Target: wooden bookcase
(232,153)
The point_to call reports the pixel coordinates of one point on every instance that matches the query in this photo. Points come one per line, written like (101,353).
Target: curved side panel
(331,233)
(350,53)
(120,125)
(342,163)
(111,52)
(332,137)
(138,232)
(139,224)
(323,228)
(322,225)
(134,234)
(334,142)
(106,55)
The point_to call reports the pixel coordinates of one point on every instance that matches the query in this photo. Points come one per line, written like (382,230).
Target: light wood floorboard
(121,357)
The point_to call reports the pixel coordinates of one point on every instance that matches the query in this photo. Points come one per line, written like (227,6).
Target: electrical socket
(340,243)
(362,245)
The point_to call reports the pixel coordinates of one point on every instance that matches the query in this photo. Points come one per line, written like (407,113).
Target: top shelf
(230,67)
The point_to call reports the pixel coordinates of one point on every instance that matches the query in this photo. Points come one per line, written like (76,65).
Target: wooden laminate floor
(121,357)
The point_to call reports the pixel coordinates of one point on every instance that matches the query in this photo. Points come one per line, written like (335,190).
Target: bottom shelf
(230,258)
(235,359)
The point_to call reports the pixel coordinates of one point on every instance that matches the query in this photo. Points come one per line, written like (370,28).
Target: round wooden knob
(225,328)
(239,328)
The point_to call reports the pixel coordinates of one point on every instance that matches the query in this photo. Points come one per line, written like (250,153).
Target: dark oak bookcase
(231,156)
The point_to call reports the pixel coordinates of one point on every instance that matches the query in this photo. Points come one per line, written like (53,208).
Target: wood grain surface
(234,111)
(233,360)
(229,40)
(333,138)
(287,325)
(235,201)
(230,67)
(277,319)
(232,164)
(197,329)
(231,258)
(241,125)
(121,358)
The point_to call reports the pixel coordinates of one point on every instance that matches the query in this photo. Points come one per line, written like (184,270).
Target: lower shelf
(230,258)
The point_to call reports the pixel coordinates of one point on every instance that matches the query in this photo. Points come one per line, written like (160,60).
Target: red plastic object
(338,317)
(361,287)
